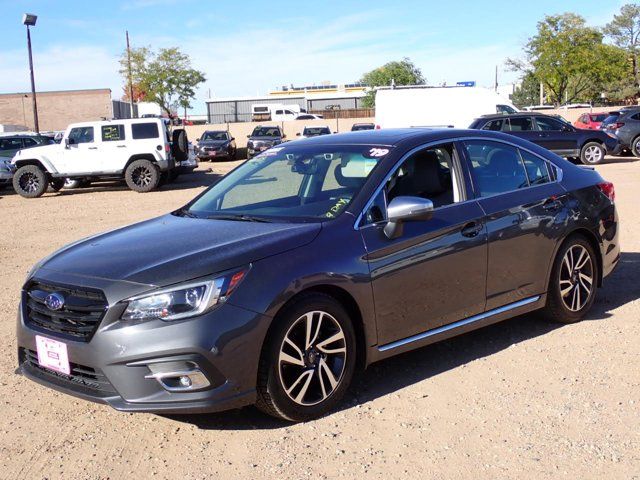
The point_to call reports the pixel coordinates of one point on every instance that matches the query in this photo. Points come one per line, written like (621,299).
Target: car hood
(265,138)
(212,143)
(171,249)
(43,150)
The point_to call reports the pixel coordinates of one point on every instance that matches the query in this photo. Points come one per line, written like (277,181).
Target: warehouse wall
(56,110)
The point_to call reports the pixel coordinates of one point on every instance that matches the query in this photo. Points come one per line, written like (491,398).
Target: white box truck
(436,107)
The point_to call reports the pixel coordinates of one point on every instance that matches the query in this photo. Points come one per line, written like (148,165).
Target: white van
(436,107)
(275,112)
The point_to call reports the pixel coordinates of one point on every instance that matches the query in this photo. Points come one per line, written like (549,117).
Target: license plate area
(52,354)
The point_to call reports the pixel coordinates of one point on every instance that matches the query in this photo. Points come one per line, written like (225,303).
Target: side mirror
(567,128)
(232,139)
(284,136)
(406,209)
(298,134)
(198,139)
(248,136)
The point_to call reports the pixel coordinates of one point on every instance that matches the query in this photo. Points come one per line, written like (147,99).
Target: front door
(557,136)
(435,272)
(81,154)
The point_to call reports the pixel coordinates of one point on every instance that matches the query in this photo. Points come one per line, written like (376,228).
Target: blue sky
(251,47)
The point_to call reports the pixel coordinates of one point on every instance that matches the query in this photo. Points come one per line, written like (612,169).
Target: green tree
(165,77)
(528,92)
(570,59)
(624,31)
(403,72)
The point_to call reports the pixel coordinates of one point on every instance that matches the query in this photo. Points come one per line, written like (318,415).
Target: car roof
(512,115)
(215,131)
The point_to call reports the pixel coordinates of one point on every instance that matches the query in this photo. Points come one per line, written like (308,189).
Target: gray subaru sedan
(313,259)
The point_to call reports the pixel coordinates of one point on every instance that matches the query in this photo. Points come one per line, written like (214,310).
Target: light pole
(29,20)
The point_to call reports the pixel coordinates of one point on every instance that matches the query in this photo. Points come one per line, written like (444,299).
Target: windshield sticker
(375,152)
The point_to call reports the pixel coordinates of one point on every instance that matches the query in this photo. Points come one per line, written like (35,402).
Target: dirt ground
(521,399)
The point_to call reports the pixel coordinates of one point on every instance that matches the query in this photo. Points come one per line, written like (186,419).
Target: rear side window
(537,169)
(29,142)
(497,167)
(636,116)
(112,133)
(140,131)
(522,124)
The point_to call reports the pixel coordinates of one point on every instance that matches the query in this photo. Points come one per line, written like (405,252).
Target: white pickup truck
(138,150)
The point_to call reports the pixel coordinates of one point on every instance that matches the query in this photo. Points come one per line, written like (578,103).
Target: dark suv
(10,144)
(553,133)
(625,125)
(262,138)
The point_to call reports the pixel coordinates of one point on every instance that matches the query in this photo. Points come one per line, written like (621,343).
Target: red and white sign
(53,355)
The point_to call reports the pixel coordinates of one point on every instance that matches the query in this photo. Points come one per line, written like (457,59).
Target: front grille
(78,319)
(81,376)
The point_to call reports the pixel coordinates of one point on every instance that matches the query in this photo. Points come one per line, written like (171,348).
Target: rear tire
(573,283)
(30,181)
(635,147)
(142,176)
(308,359)
(592,153)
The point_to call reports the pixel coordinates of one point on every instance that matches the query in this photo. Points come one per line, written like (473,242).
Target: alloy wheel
(141,176)
(593,154)
(29,182)
(312,358)
(576,278)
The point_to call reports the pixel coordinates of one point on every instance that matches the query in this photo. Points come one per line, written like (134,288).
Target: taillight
(615,126)
(377,127)
(167,147)
(608,189)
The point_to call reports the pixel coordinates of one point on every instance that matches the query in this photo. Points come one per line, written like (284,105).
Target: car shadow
(398,372)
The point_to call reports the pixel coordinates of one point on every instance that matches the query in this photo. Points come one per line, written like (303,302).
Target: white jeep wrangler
(138,150)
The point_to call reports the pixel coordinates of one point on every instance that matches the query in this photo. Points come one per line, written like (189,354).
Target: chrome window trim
(458,324)
(558,174)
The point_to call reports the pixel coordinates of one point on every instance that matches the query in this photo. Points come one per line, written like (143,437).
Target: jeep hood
(171,249)
(41,151)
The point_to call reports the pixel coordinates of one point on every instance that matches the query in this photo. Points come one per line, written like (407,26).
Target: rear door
(114,150)
(524,213)
(520,126)
(435,272)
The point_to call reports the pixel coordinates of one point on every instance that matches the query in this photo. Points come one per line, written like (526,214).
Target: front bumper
(225,344)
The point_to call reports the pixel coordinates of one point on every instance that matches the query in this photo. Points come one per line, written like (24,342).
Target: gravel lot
(521,399)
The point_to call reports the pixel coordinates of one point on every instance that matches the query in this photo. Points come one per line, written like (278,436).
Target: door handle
(122,146)
(552,204)
(472,229)
(93,148)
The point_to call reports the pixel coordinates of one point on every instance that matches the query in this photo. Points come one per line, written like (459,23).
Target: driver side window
(428,173)
(81,135)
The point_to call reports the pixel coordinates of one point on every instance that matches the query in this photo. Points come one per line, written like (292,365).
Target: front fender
(42,160)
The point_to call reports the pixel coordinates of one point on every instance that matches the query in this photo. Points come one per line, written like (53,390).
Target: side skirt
(457,328)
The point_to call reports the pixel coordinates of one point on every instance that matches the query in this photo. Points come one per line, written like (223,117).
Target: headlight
(183,301)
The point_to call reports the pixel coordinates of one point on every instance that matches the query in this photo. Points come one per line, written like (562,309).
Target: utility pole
(496,81)
(29,20)
(541,93)
(130,79)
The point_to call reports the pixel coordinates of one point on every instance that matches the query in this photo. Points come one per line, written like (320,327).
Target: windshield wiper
(184,212)
(239,218)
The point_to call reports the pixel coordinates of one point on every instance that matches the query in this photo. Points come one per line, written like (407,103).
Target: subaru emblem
(54,301)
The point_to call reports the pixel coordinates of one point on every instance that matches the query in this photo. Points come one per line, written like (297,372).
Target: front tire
(30,181)
(308,360)
(592,153)
(573,284)
(142,176)
(635,147)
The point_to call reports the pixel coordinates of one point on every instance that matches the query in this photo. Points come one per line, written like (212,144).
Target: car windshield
(266,132)
(357,127)
(214,136)
(290,183)
(316,131)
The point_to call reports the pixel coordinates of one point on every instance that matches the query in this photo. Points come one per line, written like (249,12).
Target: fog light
(178,376)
